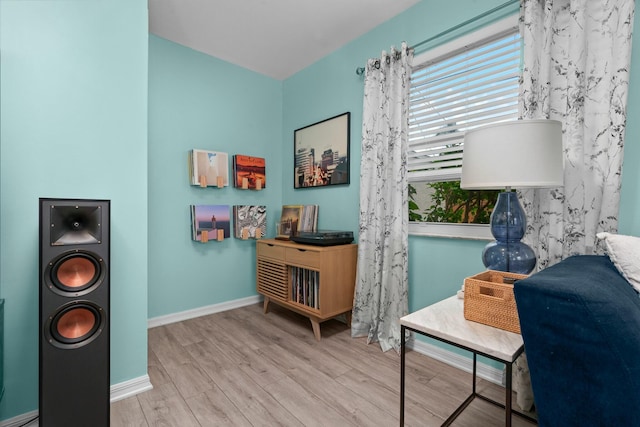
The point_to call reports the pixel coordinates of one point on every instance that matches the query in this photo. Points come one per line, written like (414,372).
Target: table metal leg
(475,360)
(507,404)
(402,362)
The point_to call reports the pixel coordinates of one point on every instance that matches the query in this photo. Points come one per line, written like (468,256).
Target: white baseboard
(130,388)
(202,311)
(22,420)
(483,370)
(117,392)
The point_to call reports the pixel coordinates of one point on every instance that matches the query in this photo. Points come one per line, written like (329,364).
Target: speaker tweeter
(75,225)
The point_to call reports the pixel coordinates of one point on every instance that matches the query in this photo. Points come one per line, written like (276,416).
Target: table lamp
(515,154)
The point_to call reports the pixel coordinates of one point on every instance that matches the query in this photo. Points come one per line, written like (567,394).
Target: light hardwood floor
(244,368)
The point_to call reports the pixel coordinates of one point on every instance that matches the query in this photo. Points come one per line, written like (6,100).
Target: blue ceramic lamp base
(516,257)
(508,224)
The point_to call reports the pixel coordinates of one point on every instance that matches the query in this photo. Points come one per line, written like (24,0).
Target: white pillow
(624,252)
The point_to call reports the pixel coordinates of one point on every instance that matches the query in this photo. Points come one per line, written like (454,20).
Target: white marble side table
(444,321)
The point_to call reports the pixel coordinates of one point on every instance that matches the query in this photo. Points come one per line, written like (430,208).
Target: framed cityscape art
(321,153)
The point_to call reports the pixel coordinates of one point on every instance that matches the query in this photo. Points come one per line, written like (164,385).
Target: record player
(323,237)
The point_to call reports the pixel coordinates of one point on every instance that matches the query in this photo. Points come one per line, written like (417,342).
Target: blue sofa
(580,322)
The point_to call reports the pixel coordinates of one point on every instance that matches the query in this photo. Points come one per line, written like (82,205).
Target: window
(469,82)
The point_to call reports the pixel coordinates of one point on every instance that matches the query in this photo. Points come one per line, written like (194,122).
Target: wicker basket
(488,299)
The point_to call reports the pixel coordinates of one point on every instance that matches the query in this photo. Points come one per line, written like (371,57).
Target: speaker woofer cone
(75,273)
(75,324)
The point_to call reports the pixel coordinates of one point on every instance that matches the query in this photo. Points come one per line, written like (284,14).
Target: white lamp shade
(518,154)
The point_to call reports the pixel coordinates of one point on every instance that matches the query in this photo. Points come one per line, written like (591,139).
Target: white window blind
(466,87)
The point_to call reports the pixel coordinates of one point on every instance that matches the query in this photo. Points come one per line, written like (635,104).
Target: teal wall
(74,125)
(630,194)
(187,109)
(197,101)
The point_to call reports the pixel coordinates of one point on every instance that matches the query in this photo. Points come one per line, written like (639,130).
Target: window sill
(451,231)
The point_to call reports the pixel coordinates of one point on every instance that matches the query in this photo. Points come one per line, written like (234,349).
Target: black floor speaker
(74,313)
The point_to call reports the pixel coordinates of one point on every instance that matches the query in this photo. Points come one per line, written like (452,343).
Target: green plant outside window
(448,203)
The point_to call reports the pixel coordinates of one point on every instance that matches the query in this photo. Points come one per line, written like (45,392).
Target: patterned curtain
(382,278)
(576,70)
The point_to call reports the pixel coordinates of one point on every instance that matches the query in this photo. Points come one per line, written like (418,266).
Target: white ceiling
(276,38)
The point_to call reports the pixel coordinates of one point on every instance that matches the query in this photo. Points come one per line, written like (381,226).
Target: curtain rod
(360,70)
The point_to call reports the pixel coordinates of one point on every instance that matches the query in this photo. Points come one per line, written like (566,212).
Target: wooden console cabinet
(314,281)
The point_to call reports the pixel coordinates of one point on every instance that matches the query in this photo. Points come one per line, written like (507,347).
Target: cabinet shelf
(314,281)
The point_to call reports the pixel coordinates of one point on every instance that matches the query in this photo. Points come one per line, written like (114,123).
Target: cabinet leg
(347,316)
(265,307)
(316,328)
